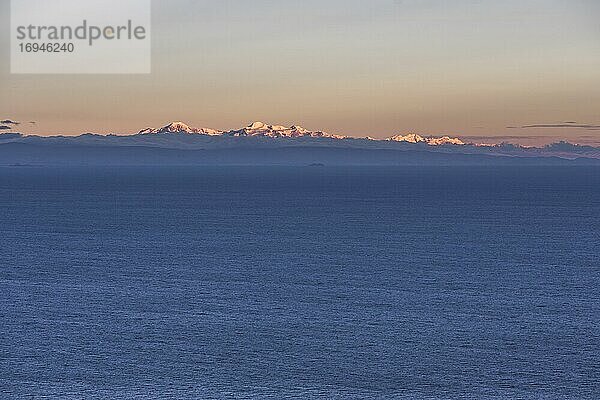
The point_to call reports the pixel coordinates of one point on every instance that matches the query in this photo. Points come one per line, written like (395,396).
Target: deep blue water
(306,283)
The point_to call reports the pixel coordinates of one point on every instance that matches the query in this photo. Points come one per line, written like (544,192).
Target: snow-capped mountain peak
(439,141)
(177,127)
(410,138)
(431,140)
(279,131)
(180,127)
(256,126)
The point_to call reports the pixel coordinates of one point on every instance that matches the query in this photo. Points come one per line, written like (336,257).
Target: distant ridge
(260,143)
(295,131)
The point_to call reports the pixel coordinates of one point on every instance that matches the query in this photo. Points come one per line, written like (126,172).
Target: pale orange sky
(378,68)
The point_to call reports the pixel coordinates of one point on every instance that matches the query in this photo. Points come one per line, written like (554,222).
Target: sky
(524,71)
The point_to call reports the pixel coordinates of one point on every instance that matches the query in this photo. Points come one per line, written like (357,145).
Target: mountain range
(264,144)
(255,129)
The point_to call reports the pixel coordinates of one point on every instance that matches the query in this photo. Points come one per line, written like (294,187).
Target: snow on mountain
(254,129)
(278,131)
(261,136)
(260,129)
(440,141)
(180,127)
(410,138)
(212,138)
(431,141)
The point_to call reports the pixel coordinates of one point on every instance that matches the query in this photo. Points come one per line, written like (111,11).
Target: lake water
(304,283)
